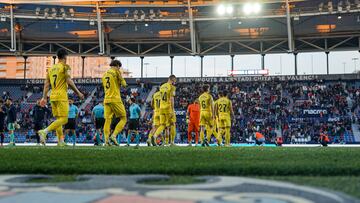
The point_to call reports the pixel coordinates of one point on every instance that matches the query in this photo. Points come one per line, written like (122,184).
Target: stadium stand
(297,110)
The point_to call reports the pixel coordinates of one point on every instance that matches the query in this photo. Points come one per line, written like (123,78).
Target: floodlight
(247,9)
(229,9)
(146,25)
(221,9)
(256,8)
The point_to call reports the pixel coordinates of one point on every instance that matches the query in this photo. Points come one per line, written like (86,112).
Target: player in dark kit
(11,120)
(2,122)
(39,113)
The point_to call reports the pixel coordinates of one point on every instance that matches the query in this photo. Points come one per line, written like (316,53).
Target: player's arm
(122,81)
(216,110)
(153,103)
(212,106)
(92,115)
(188,114)
(77,112)
(231,110)
(46,89)
(72,85)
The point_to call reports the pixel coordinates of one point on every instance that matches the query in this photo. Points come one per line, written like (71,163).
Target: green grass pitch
(335,168)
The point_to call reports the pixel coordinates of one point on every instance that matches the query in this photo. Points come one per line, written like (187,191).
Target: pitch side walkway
(185,145)
(126,189)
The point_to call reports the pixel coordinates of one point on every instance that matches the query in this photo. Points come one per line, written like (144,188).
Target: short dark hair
(206,87)
(133,100)
(1,101)
(9,99)
(61,53)
(224,93)
(172,77)
(115,63)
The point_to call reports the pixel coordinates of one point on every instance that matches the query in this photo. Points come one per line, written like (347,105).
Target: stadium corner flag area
(173,101)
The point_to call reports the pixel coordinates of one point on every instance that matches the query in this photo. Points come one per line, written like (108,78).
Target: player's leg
(11,129)
(120,112)
(227,136)
(190,130)
(60,136)
(202,127)
(73,136)
(107,130)
(60,111)
(2,137)
(172,128)
(137,138)
(128,138)
(108,114)
(209,131)
(161,128)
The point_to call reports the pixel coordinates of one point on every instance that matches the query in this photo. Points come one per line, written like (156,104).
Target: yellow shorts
(167,118)
(206,119)
(60,108)
(156,119)
(116,109)
(224,122)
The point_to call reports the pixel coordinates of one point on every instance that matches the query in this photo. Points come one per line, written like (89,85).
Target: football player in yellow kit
(59,79)
(206,115)
(224,112)
(167,112)
(155,103)
(112,80)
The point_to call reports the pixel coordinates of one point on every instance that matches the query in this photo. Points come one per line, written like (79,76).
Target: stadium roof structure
(178,27)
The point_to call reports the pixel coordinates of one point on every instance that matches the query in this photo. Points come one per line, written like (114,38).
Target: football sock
(97,137)
(189,137)
(107,130)
(173,133)
(12,138)
(196,137)
(209,132)
(202,135)
(59,134)
(74,138)
(129,138)
(137,138)
(227,136)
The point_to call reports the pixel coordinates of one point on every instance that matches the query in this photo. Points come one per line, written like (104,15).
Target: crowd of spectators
(279,109)
(274,108)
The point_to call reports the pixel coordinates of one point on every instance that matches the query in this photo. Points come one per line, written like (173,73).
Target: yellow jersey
(57,75)
(112,81)
(223,106)
(166,91)
(156,101)
(206,102)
